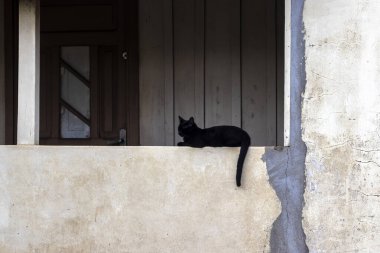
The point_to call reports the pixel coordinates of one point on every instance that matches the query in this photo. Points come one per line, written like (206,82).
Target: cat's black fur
(218,136)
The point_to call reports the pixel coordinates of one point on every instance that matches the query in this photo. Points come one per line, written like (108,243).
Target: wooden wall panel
(169,69)
(271,98)
(222,68)
(132,65)
(155,72)
(259,71)
(216,60)
(188,61)
(199,71)
(2,74)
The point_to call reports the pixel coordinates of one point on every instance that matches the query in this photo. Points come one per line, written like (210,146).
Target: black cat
(218,136)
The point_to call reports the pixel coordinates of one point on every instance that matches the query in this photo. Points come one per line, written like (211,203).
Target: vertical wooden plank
(222,68)
(188,61)
(199,72)
(271,72)
(253,67)
(2,73)
(258,72)
(280,43)
(184,56)
(156,87)
(169,73)
(132,65)
(28,78)
(235,62)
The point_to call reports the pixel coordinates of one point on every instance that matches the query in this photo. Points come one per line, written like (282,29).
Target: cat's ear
(181,119)
(191,120)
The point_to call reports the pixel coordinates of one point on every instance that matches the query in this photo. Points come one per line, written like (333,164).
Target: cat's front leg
(182,144)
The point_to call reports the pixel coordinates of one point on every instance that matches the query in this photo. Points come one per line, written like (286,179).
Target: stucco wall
(133,199)
(341,125)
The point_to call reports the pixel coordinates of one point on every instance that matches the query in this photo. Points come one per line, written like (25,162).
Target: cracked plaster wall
(341,125)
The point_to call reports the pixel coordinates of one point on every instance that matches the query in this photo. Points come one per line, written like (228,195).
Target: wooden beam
(28,72)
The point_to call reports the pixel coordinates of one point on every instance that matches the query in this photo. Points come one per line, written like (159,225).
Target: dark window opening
(138,65)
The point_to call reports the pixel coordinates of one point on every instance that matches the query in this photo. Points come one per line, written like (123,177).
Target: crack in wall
(365,162)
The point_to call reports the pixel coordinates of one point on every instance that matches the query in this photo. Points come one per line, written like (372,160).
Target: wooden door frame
(133,92)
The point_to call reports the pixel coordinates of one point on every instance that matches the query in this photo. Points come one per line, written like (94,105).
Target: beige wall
(341,125)
(2,77)
(136,199)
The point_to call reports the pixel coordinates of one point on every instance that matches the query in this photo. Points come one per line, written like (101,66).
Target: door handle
(124,55)
(122,141)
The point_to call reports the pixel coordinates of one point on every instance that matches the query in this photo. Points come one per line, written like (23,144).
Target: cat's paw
(180,144)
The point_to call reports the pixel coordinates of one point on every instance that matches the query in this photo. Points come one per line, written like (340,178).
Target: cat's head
(186,127)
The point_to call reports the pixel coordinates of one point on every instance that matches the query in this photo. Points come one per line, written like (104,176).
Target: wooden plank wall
(259,71)
(188,51)
(156,72)
(216,60)
(222,63)
(2,73)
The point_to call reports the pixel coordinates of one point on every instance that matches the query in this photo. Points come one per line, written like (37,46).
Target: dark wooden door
(89,86)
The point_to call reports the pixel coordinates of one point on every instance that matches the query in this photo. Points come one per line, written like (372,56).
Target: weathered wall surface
(137,199)
(341,125)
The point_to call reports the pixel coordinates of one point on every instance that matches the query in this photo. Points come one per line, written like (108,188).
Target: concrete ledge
(133,199)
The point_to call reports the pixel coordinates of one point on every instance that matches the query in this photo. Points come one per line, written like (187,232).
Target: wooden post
(28,72)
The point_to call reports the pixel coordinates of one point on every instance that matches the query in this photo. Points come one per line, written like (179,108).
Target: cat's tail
(243,152)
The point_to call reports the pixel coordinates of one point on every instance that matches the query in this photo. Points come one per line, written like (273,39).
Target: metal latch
(122,141)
